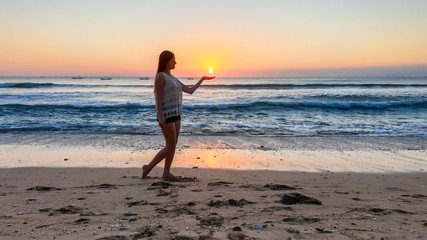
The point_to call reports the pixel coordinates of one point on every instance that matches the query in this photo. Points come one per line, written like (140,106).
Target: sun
(210,70)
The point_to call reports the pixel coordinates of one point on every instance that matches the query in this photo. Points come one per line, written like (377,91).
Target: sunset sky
(234,38)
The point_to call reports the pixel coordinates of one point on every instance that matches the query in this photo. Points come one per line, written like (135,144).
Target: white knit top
(172,97)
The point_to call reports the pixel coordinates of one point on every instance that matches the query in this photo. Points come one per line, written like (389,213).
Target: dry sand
(115,203)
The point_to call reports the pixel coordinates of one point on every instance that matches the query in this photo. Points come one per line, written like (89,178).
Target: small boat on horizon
(190,78)
(144,78)
(105,78)
(77,77)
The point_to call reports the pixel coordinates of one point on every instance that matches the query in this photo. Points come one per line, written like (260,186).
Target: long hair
(164,59)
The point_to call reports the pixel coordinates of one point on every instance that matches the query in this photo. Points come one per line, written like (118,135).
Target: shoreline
(102,203)
(307,154)
(124,141)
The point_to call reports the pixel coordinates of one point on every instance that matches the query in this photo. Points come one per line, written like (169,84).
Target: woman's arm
(159,84)
(192,89)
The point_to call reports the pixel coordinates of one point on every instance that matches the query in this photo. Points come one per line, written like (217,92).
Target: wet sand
(309,154)
(115,203)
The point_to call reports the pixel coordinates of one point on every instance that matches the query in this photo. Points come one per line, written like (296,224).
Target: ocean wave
(64,85)
(240,106)
(26,85)
(214,86)
(309,86)
(77,107)
(190,131)
(29,129)
(336,105)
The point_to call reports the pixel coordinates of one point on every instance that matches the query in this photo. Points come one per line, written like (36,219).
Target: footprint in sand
(230,202)
(219,183)
(297,198)
(296,220)
(70,209)
(212,221)
(278,187)
(43,189)
(160,185)
(82,221)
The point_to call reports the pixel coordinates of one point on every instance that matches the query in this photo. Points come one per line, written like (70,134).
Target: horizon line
(100,76)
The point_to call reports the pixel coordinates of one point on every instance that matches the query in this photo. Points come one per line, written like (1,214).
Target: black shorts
(172,119)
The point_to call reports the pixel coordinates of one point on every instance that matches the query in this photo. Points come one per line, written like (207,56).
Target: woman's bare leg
(169,158)
(166,173)
(177,129)
(167,152)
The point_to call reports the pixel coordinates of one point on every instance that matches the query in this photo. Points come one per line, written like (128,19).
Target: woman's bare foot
(145,171)
(170,176)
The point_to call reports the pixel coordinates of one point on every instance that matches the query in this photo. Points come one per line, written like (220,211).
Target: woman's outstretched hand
(207,78)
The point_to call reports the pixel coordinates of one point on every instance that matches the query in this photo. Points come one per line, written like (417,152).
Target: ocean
(277,107)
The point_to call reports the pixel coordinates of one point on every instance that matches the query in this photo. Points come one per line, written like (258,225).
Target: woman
(168,95)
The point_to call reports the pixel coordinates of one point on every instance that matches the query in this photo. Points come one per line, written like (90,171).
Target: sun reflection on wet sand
(227,159)
(211,159)
(214,158)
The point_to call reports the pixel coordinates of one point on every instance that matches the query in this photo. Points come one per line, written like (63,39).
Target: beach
(90,187)
(115,203)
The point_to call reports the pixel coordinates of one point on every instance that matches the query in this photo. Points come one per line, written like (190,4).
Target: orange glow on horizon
(229,54)
(266,39)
